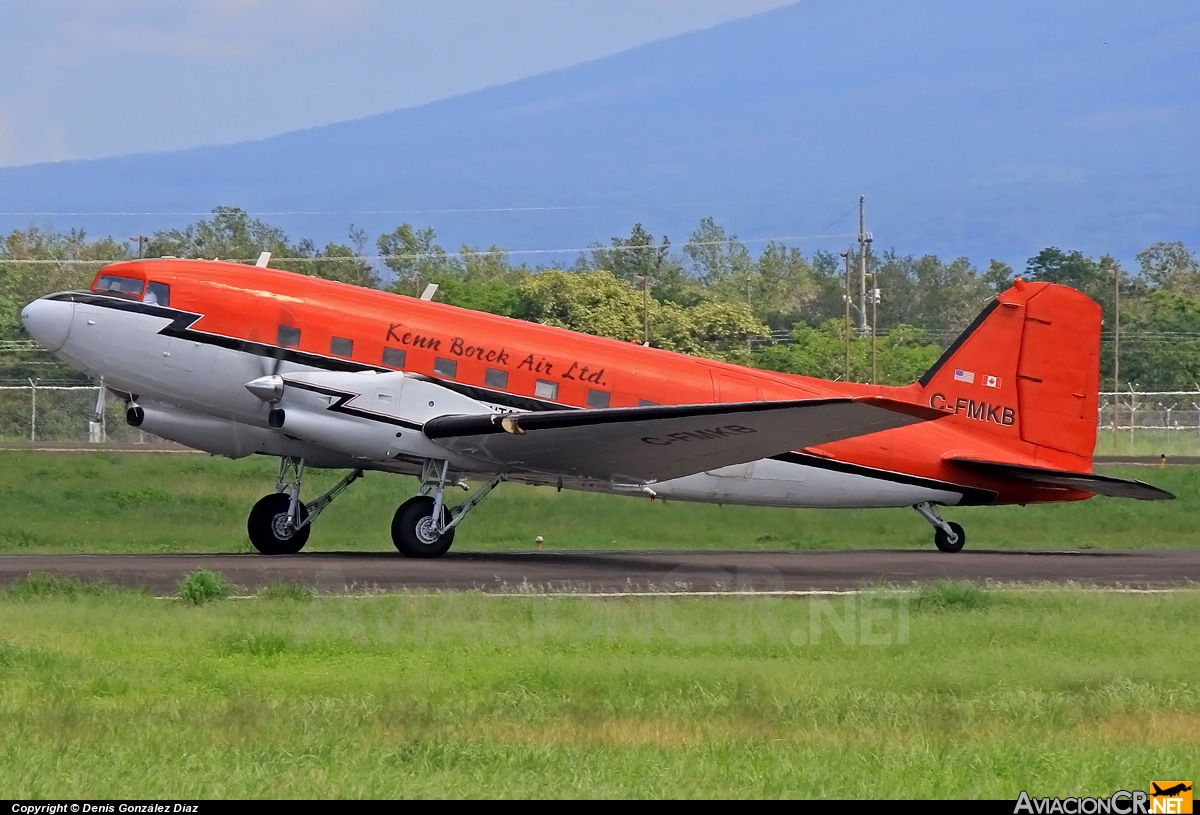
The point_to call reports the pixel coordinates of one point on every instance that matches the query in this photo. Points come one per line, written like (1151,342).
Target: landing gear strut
(424,526)
(947,535)
(279,524)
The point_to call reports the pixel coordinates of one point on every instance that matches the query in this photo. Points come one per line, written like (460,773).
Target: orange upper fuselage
(355,326)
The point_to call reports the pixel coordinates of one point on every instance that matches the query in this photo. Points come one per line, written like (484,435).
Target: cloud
(206,30)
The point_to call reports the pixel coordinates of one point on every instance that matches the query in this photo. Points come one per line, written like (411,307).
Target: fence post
(33,409)
(1132,411)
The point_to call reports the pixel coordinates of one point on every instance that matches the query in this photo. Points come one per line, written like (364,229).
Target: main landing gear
(279,524)
(424,526)
(947,535)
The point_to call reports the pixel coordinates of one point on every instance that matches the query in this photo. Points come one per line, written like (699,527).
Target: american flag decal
(964,376)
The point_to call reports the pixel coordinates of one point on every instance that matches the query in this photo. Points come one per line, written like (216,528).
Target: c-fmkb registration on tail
(235,360)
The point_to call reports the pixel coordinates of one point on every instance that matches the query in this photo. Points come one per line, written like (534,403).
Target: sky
(93,78)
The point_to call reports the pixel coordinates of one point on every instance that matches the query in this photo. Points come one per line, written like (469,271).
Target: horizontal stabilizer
(656,443)
(1084,482)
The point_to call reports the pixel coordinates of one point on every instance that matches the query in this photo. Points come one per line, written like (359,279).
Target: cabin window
(647,403)
(445,367)
(342,347)
(393,357)
(157,294)
(288,337)
(120,285)
(546,390)
(597,399)
(496,378)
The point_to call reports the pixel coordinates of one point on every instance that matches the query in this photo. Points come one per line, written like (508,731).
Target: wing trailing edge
(660,442)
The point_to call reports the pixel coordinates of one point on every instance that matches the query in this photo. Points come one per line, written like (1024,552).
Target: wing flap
(656,443)
(1094,483)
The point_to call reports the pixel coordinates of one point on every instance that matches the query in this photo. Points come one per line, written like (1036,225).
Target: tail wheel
(269,529)
(413,531)
(943,540)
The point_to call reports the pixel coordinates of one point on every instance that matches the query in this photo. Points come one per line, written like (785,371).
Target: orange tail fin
(1028,368)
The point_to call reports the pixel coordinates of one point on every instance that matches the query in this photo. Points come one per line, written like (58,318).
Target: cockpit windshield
(119,285)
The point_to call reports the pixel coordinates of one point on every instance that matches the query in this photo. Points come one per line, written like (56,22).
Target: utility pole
(864,244)
(142,242)
(846,298)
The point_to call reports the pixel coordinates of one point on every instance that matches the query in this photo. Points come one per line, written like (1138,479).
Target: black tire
(943,540)
(261,526)
(405,529)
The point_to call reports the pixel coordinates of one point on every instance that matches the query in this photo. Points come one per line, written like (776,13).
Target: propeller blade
(272,361)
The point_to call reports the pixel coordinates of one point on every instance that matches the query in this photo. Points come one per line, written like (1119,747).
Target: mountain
(986,130)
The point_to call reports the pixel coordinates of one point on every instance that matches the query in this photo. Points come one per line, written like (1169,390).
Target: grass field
(108,694)
(1148,443)
(951,692)
(114,502)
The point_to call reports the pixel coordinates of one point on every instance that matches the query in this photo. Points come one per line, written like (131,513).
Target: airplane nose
(48,322)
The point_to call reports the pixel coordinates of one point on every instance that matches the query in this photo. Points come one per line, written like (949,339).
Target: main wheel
(412,529)
(269,529)
(943,540)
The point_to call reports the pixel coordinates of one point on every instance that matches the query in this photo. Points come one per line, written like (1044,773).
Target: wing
(1094,483)
(657,443)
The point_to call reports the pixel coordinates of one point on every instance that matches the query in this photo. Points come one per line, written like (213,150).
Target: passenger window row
(289,337)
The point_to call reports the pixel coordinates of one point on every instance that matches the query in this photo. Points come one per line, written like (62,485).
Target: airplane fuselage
(186,354)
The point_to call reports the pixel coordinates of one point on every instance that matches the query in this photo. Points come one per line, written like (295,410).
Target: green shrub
(951,596)
(264,644)
(203,585)
(9,654)
(18,538)
(142,495)
(42,584)
(287,591)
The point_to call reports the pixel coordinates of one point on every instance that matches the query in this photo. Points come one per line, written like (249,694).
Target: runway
(639,572)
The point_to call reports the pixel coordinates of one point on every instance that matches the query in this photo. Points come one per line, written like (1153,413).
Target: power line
(431,211)
(467,254)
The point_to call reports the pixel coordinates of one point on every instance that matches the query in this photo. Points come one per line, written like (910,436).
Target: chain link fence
(1130,422)
(61,413)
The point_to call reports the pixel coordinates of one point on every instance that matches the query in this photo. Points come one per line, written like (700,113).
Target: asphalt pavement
(619,571)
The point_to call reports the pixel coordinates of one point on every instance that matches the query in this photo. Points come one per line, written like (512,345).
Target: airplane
(1170,792)
(235,360)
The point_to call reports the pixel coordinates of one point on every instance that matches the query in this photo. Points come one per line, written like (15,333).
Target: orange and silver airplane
(236,359)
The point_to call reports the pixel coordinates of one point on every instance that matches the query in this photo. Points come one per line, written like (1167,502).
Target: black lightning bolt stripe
(341,406)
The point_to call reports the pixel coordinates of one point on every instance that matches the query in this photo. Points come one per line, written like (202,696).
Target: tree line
(709,296)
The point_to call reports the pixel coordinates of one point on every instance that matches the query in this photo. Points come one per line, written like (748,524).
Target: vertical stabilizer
(1028,369)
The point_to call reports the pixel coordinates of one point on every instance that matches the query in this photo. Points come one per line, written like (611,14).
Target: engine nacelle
(217,436)
(374,417)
